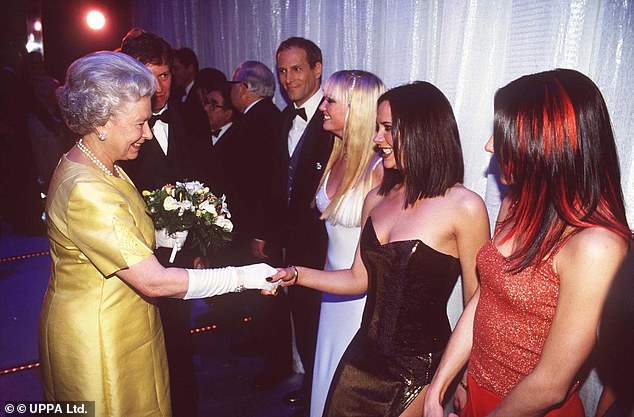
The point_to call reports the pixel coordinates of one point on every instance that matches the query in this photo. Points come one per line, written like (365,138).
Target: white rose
(170,204)
(224,223)
(208,207)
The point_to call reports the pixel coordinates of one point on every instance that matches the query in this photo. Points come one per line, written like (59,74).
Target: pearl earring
(102,136)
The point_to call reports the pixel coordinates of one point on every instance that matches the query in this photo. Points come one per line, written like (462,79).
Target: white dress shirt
(161,131)
(299,124)
(214,139)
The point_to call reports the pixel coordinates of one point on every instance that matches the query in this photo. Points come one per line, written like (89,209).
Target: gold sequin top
(512,319)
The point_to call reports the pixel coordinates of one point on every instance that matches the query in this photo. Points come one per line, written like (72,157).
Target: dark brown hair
(426,142)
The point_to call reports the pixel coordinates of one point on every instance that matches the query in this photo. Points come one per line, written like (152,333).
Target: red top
(512,319)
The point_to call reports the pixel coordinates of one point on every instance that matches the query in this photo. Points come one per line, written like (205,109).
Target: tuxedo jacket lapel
(224,135)
(307,167)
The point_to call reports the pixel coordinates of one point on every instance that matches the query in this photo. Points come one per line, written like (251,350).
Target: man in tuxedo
(250,165)
(302,155)
(185,69)
(222,117)
(167,159)
(252,89)
(185,72)
(220,154)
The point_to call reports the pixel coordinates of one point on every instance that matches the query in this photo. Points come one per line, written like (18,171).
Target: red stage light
(95,20)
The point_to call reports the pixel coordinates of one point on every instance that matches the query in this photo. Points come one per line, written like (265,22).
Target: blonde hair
(359,92)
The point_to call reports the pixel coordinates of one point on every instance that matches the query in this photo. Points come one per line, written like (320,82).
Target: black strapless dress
(403,332)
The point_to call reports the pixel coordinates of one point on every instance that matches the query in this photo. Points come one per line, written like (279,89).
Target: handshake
(209,282)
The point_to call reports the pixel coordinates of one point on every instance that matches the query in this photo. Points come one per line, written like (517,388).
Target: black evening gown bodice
(403,331)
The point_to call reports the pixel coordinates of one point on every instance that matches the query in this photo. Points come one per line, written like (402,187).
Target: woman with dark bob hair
(422,228)
(100,336)
(559,240)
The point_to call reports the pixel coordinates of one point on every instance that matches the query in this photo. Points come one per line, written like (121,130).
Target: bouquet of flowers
(189,209)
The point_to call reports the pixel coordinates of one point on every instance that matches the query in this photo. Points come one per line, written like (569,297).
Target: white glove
(209,282)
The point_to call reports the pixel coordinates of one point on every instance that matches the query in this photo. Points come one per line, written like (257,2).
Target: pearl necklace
(96,161)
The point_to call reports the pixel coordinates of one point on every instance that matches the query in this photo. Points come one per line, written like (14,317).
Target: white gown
(340,315)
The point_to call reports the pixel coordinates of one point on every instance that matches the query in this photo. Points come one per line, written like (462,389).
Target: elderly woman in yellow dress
(100,335)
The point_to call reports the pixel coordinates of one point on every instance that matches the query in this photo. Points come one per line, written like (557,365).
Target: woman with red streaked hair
(559,240)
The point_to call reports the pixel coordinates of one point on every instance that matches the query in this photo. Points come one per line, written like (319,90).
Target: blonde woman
(354,168)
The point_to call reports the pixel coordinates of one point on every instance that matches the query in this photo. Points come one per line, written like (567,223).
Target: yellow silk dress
(99,339)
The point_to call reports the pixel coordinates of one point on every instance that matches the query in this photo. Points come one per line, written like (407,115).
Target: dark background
(66,36)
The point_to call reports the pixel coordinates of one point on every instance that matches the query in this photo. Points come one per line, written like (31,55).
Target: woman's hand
(285,276)
(460,396)
(433,408)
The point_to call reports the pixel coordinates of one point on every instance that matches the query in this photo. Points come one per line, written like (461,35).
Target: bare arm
(453,359)
(472,232)
(586,267)
(151,279)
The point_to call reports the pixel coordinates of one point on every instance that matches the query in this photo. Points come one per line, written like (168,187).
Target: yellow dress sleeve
(105,224)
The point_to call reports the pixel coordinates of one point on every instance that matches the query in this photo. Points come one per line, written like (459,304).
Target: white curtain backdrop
(468,49)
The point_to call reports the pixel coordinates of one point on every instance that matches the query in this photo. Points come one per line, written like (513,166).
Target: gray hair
(258,77)
(97,84)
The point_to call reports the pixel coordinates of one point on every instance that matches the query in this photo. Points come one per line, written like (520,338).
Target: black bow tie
(163,117)
(301,112)
(216,133)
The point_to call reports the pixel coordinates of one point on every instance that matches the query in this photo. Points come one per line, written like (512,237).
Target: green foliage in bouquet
(191,206)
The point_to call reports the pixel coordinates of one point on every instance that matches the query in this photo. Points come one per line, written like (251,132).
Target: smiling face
(298,79)
(383,138)
(334,111)
(163,78)
(127,129)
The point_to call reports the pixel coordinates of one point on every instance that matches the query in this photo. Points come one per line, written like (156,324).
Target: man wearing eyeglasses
(221,153)
(217,105)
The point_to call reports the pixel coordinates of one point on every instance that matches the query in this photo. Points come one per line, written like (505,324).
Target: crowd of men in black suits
(230,135)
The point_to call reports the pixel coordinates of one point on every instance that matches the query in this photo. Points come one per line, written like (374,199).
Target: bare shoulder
(594,244)
(465,202)
(592,249)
